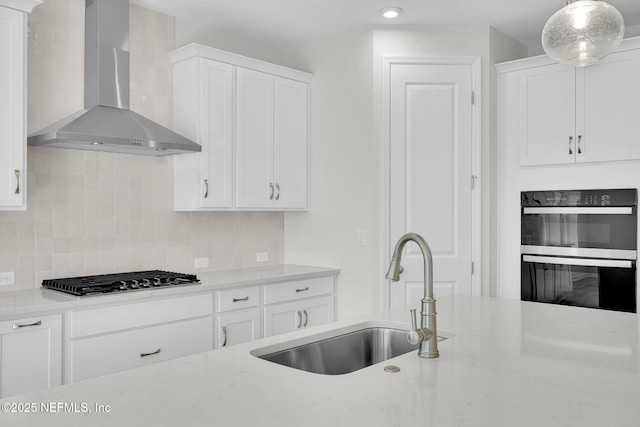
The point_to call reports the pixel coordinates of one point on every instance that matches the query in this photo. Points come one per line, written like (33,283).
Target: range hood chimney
(107,123)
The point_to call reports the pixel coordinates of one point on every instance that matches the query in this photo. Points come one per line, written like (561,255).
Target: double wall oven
(579,247)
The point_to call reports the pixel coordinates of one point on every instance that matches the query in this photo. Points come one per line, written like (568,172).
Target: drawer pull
(150,354)
(302,289)
(17,172)
(240,299)
(18,325)
(224,332)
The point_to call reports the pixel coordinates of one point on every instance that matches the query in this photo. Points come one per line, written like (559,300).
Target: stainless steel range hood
(107,123)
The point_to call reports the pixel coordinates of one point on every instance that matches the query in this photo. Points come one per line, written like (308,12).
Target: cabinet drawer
(129,316)
(290,291)
(234,299)
(91,357)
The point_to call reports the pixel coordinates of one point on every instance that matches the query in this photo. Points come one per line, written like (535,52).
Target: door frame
(476,160)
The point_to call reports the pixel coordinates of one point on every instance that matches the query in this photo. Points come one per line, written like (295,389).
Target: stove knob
(123,285)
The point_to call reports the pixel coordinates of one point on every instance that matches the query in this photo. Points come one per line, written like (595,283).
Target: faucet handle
(417,335)
(414,321)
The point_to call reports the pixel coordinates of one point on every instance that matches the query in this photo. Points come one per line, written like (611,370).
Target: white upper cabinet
(251,118)
(271,154)
(203,112)
(607,116)
(546,115)
(572,115)
(13,129)
(254,140)
(290,155)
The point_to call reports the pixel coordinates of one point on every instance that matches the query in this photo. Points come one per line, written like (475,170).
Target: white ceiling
(285,22)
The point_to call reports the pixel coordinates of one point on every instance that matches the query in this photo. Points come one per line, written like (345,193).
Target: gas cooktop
(119,282)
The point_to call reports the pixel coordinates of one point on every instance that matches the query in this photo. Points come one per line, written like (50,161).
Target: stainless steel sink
(344,353)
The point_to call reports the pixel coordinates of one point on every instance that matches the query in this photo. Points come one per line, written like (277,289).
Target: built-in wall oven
(579,247)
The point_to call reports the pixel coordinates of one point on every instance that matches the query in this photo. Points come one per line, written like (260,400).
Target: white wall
(344,173)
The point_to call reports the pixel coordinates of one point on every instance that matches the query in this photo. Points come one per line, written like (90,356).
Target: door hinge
(473,181)
(473,268)
(473,98)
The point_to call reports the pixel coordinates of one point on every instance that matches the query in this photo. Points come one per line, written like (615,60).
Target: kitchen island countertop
(505,363)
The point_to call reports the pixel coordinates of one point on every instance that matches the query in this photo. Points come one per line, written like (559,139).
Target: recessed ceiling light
(390,12)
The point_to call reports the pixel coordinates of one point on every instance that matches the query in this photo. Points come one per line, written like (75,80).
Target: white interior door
(431,130)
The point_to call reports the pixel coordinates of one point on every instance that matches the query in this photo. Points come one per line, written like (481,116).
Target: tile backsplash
(91,212)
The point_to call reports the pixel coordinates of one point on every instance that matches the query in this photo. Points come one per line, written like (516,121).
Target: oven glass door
(603,228)
(595,283)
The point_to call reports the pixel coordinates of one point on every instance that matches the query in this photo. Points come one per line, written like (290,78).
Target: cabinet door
(12,110)
(216,135)
(282,318)
(607,118)
(290,143)
(317,311)
(30,355)
(238,327)
(255,187)
(547,115)
(288,317)
(203,111)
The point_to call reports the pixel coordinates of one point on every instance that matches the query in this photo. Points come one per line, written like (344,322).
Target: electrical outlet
(201,263)
(7,278)
(361,237)
(262,256)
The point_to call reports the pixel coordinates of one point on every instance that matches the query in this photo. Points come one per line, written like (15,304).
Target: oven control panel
(611,197)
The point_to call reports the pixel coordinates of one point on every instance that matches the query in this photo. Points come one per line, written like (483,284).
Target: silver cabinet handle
(306,317)
(150,354)
(579,144)
(277,191)
(302,289)
(571,145)
(272,191)
(206,188)
(224,333)
(17,172)
(18,325)
(299,319)
(240,299)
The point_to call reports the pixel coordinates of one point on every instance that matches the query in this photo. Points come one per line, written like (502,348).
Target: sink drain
(391,368)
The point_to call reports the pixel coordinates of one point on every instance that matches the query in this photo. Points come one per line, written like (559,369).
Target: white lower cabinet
(298,304)
(237,327)
(291,316)
(30,354)
(116,352)
(238,320)
(114,338)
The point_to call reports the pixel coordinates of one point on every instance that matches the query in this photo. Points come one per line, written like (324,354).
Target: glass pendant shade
(582,32)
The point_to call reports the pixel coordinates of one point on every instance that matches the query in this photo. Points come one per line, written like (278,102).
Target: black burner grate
(119,282)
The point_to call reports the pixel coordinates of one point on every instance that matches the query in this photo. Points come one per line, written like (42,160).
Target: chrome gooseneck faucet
(426,335)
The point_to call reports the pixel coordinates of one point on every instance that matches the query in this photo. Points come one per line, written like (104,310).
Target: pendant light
(582,32)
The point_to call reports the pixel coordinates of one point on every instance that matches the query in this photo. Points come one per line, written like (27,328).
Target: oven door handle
(588,262)
(567,210)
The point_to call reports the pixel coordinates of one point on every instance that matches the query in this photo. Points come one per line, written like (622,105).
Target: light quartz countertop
(506,363)
(42,301)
